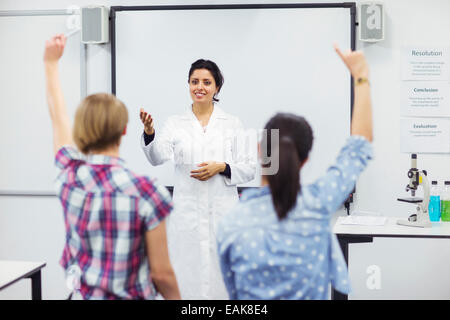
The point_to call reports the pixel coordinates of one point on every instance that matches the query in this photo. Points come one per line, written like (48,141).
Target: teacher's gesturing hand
(147,120)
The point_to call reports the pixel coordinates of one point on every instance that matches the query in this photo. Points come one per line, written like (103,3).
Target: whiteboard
(272,59)
(26,157)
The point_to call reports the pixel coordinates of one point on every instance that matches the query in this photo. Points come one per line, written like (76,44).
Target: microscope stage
(411,200)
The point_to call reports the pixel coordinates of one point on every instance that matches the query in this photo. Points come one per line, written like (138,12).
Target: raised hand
(355,62)
(54,48)
(147,121)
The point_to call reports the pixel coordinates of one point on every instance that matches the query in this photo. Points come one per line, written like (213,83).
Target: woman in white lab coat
(208,166)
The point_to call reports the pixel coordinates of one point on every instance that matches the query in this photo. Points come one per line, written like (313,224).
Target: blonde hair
(100,121)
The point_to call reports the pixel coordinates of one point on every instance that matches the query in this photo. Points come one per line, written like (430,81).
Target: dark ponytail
(292,149)
(285,184)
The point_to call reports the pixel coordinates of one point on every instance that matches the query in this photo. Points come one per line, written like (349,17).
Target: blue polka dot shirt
(298,257)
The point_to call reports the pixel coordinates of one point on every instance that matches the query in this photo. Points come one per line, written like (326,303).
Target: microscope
(416,178)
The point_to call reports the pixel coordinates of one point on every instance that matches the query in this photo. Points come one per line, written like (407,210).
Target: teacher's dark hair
(293,147)
(211,67)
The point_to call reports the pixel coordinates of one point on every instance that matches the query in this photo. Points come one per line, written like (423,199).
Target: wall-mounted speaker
(371,21)
(94,24)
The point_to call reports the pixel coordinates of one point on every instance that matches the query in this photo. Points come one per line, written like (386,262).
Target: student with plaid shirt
(114,219)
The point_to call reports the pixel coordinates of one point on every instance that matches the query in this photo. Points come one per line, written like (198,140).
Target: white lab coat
(199,205)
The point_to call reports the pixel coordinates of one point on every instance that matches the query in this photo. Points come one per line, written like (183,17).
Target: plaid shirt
(107,211)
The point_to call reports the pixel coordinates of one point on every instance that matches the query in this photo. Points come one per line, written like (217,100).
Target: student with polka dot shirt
(277,243)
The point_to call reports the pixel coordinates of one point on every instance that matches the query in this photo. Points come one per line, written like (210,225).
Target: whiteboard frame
(345,5)
(114,9)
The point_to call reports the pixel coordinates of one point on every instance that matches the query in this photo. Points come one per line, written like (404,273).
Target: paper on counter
(364,220)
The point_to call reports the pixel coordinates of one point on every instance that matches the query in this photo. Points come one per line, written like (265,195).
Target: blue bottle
(434,207)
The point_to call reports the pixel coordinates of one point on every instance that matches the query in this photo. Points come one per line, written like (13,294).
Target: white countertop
(392,229)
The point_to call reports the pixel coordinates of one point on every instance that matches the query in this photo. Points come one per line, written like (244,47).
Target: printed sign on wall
(425,63)
(425,98)
(425,135)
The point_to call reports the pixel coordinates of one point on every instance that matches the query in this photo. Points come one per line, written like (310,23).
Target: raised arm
(333,188)
(362,108)
(62,133)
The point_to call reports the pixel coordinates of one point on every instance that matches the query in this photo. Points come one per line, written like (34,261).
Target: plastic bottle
(434,207)
(445,202)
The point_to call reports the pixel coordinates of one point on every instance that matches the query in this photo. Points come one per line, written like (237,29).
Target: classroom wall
(410,268)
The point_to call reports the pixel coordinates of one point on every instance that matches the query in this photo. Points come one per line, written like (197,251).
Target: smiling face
(202,86)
